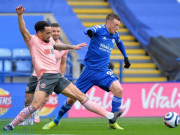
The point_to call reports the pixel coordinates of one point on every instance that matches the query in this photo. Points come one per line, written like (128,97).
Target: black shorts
(31,86)
(52,83)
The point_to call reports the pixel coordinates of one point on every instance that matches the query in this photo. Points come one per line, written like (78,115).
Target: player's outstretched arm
(67,47)
(22,27)
(79,46)
(121,47)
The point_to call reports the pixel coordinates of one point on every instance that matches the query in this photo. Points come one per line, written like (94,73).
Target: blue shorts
(89,77)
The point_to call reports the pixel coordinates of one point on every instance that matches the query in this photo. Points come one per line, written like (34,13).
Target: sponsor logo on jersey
(105,48)
(48,51)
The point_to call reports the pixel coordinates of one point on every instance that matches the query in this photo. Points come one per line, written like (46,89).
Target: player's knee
(80,96)
(118,92)
(27,102)
(36,105)
(70,101)
(28,99)
(45,101)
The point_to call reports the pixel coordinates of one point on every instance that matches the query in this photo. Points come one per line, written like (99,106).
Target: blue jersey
(100,47)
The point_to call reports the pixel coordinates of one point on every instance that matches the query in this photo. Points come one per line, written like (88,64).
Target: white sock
(110,115)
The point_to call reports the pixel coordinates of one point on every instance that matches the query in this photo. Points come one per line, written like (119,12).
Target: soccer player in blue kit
(96,63)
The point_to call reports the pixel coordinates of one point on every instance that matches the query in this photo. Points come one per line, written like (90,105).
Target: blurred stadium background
(150,30)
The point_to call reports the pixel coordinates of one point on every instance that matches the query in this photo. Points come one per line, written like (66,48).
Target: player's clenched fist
(20,10)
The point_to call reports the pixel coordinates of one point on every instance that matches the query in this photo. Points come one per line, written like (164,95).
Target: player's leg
(84,83)
(69,90)
(88,104)
(27,102)
(29,94)
(28,99)
(26,112)
(44,88)
(32,86)
(64,109)
(109,82)
(30,90)
(37,116)
(37,113)
(73,92)
(117,90)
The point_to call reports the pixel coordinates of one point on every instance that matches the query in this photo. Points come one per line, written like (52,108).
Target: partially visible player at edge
(61,56)
(49,78)
(96,70)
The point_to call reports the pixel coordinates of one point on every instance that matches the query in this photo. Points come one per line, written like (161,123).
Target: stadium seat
(21,52)
(22,60)
(5,53)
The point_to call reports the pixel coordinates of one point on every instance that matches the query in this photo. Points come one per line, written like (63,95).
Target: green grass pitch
(96,126)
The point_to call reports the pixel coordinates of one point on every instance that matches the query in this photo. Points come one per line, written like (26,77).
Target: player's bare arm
(67,47)
(63,66)
(22,27)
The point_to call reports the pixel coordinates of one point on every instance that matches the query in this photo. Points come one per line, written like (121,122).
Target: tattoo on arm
(63,47)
